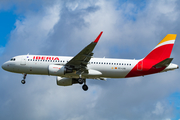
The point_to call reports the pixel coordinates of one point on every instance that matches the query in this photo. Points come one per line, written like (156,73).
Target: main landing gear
(85,87)
(81,81)
(24,77)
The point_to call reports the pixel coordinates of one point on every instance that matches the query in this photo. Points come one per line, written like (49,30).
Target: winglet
(97,39)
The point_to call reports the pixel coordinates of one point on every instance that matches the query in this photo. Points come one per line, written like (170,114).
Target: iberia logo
(45,58)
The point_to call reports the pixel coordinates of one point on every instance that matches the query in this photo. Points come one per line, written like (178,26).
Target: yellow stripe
(168,38)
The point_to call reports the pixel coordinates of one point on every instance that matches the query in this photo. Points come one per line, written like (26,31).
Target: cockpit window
(13,59)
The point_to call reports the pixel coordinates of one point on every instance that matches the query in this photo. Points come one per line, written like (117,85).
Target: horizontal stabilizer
(163,63)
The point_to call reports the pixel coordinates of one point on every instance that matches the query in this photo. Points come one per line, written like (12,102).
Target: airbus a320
(72,70)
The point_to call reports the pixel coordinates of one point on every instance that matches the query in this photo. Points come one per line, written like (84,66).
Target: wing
(80,61)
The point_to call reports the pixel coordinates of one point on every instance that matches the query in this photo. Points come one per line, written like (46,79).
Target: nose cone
(8,66)
(4,66)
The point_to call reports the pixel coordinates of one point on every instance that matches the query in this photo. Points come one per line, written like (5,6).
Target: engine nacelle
(65,81)
(58,70)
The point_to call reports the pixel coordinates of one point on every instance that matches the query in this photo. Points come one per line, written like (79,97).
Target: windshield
(12,59)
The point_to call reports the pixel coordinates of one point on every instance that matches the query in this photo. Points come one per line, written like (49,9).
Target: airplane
(72,70)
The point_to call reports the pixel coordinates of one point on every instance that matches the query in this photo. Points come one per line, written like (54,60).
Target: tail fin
(163,49)
(157,60)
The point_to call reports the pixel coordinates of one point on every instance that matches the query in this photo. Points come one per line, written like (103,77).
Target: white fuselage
(98,67)
(110,68)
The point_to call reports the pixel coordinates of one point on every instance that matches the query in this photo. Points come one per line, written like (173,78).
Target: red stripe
(146,69)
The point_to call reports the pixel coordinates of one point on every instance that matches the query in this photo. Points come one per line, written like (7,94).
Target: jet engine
(65,81)
(58,70)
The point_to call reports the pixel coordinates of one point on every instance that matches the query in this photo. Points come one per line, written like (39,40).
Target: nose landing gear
(24,77)
(23,81)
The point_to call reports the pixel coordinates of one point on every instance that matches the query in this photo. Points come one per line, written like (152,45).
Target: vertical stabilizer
(157,60)
(163,49)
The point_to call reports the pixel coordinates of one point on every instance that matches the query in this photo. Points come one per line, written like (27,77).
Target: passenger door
(140,66)
(23,60)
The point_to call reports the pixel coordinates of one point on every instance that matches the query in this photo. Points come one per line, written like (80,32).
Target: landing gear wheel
(24,77)
(23,81)
(80,81)
(85,87)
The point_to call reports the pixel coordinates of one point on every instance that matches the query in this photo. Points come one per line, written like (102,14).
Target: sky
(131,29)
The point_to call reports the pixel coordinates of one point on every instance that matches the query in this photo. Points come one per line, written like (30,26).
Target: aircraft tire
(80,81)
(23,81)
(85,87)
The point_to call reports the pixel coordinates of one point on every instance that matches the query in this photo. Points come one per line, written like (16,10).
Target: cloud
(64,28)
(31,33)
(159,109)
(1,50)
